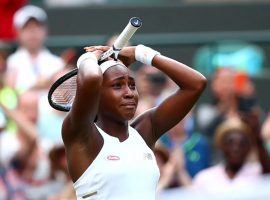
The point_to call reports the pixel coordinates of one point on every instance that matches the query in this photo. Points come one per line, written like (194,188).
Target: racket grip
(132,26)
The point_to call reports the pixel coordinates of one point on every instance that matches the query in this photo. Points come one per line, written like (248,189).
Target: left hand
(127,55)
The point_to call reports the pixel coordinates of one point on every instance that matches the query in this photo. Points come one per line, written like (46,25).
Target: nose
(128,93)
(235,149)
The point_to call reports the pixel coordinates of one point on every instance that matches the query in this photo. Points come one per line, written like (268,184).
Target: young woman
(108,158)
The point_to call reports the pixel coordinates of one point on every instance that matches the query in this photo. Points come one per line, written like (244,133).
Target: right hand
(97,50)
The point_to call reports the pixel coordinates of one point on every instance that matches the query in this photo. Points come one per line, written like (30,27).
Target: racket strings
(65,93)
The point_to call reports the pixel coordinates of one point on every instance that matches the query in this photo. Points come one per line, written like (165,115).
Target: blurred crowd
(221,144)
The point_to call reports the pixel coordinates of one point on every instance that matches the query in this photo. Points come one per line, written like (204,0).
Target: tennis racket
(63,91)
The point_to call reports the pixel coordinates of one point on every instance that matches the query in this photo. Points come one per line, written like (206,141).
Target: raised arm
(82,140)
(84,109)
(252,119)
(158,120)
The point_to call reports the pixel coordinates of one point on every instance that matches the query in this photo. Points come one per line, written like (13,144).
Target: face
(223,84)
(236,147)
(32,35)
(119,96)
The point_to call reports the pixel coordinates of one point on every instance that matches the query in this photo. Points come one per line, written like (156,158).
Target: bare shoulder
(82,147)
(71,133)
(143,124)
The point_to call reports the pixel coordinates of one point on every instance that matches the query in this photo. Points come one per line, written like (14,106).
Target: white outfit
(121,171)
(9,147)
(215,179)
(27,70)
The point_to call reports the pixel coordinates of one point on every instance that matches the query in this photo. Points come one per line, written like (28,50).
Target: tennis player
(108,158)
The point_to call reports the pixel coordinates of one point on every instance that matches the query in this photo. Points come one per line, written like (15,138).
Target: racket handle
(132,26)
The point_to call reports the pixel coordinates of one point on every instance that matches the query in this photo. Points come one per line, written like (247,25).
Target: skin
(32,36)
(252,119)
(235,147)
(224,91)
(113,98)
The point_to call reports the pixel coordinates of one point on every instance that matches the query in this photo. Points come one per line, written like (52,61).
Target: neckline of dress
(115,138)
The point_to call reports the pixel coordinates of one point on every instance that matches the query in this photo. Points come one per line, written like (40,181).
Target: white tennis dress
(121,171)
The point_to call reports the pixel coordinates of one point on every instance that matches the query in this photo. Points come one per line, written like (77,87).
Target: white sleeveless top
(121,171)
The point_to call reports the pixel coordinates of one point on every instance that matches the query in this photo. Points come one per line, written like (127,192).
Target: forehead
(117,71)
(33,22)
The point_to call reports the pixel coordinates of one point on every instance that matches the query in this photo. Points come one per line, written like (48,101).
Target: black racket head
(62,92)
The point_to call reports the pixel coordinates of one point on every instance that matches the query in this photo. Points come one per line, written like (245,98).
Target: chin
(129,116)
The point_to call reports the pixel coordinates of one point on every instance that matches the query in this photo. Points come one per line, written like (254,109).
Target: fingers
(97,53)
(89,49)
(95,48)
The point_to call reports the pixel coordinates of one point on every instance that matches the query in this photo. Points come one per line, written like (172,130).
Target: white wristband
(86,56)
(145,54)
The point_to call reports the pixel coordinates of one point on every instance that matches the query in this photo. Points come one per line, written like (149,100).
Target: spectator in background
(194,146)
(70,57)
(172,168)
(4,52)
(234,94)
(7,10)
(8,96)
(50,120)
(266,132)
(150,84)
(224,102)
(59,170)
(235,139)
(29,159)
(32,64)
(19,150)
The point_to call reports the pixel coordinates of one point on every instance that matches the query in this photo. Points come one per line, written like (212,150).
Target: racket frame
(55,85)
